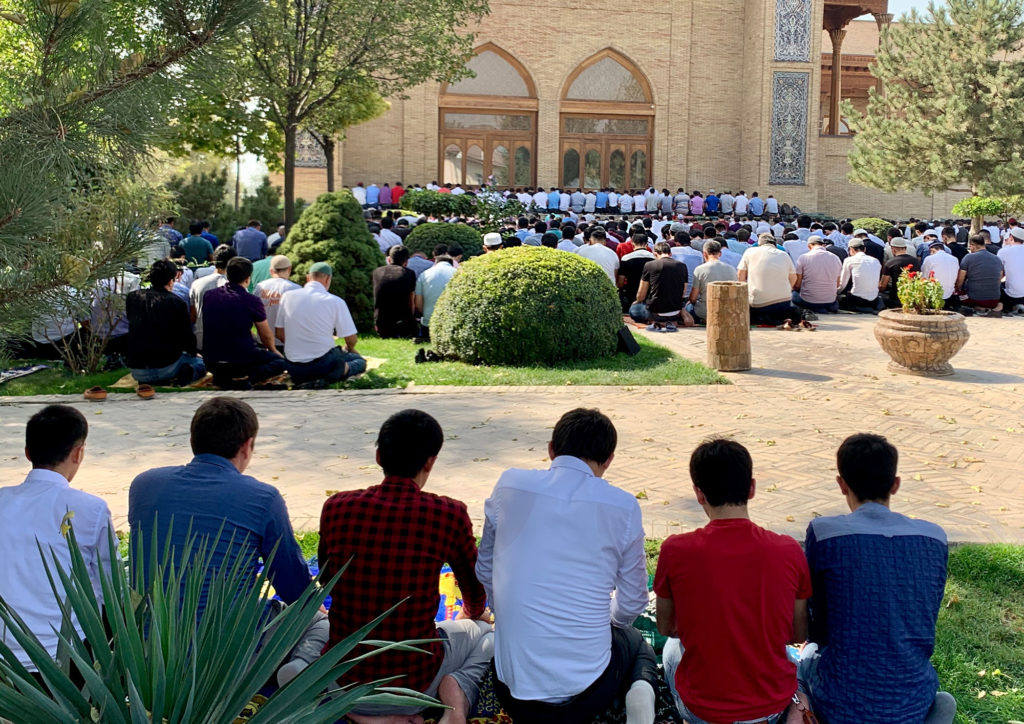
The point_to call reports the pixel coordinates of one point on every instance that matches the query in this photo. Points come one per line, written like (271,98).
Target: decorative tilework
(308,153)
(789,128)
(793,30)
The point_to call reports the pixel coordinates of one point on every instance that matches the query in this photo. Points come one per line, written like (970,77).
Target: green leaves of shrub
(333,230)
(527,306)
(426,236)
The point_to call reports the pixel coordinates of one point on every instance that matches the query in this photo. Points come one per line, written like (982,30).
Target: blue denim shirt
(209,494)
(878,580)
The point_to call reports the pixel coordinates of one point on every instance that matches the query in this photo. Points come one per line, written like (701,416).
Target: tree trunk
(238,174)
(291,132)
(328,144)
(976,223)
(728,326)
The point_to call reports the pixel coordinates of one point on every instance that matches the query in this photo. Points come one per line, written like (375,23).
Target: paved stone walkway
(961,438)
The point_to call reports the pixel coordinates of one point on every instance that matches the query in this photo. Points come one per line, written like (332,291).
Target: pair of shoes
(994,313)
(809,316)
(671,327)
(312,385)
(1018,309)
(95,394)
(146,392)
(421,356)
(653,328)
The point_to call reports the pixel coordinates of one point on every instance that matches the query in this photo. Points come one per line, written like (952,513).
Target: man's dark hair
(170,219)
(722,469)
(406,441)
(803,221)
(195,228)
(222,255)
(440,250)
(550,240)
(949,231)
(162,272)
(978,239)
(584,434)
(598,234)
(205,224)
(540,227)
(52,433)
(254,223)
(846,228)
(893,232)
(921,227)
(743,235)
(399,254)
(238,270)
(682,238)
(455,250)
(387,222)
(523,223)
(662,247)
(696,232)
(867,463)
(221,426)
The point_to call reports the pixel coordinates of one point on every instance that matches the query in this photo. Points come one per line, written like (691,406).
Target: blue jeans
(149,376)
(671,657)
(829,308)
(330,367)
(943,709)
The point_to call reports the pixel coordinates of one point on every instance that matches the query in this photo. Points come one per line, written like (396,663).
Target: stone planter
(921,344)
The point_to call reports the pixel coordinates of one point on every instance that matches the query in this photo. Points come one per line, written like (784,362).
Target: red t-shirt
(734,586)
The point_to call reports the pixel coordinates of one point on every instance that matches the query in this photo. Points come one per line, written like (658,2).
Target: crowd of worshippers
(662,266)
(191,321)
(760,629)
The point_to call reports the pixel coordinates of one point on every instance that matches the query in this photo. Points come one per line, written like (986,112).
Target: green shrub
(878,227)
(426,236)
(433,203)
(527,306)
(333,230)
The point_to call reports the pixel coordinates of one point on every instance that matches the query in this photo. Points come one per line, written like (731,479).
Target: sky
(898,7)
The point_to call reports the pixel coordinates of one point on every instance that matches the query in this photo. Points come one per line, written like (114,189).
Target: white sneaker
(1018,309)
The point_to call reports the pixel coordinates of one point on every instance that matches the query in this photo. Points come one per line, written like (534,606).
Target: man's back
(820,272)
(392,287)
(251,243)
(878,582)
(431,284)
(668,278)
(945,267)
(311,317)
(397,537)
(196,295)
(768,275)
(270,292)
(159,329)
(229,312)
(734,586)
(984,271)
(537,523)
(197,249)
(602,256)
(242,517)
(34,512)
(1012,256)
(714,270)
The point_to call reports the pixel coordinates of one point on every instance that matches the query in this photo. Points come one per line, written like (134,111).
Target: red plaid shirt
(398,538)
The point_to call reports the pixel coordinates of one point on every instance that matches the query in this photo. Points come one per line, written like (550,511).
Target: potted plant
(921,338)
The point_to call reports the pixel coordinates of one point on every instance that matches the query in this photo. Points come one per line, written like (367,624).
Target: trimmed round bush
(527,306)
(878,227)
(426,236)
(333,230)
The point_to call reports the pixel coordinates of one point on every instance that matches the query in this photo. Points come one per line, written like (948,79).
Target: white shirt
(865,270)
(195,297)
(741,204)
(590,202)
(795,249)
(311,318)
(768,271)
(567,245)
(563,201)
(273,238)
(1012,256)
(270,292)
(34,511)
(771,205)
(431,284)
(559,535)
(613,200)
(60,321)
(946,268)
(540,200)
(626,203)
(639,203)
(601,255)
(388,239)
(360,194)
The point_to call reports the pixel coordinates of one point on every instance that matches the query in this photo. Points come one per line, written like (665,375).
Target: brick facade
(710,65)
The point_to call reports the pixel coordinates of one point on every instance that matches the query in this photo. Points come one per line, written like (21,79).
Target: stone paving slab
(961,438)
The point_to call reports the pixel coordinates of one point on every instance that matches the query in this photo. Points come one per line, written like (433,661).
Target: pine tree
(80,105)
(953,102)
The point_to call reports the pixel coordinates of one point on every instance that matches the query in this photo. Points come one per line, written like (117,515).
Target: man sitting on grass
(308,321)
(731,595)
(567,535)
(213,500)
(878,582)
(395,537)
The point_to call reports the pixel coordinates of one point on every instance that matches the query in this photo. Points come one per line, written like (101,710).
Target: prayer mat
(125,383)
(373,363)
(16,372)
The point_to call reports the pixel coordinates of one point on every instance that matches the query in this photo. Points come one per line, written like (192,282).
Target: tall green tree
(304,54)
(950,114)
(80,106)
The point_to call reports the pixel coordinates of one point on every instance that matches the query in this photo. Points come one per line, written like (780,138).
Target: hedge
(427,236)
(333,230)
(527,306)
(878,227)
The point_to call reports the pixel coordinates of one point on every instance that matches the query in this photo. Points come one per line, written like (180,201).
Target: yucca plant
(161,663)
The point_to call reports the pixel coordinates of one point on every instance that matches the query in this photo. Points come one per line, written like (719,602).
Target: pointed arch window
(485,116)
(607,117)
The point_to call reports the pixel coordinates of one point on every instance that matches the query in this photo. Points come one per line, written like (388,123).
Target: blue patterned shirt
(878,580)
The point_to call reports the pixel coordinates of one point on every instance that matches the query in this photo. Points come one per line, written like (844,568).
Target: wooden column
(728,326)
(883,20)
(837,35)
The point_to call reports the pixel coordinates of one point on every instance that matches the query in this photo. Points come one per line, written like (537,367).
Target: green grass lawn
(980,642)
(654,365)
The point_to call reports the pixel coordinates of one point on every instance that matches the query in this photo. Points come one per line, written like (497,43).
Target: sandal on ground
(786,326)
(804,324)
(146,392)
(95,394)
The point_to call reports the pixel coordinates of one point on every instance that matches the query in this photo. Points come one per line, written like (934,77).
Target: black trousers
(632,660)
(261,366)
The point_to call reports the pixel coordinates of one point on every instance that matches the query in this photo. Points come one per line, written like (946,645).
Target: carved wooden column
(883,20)
(837,35)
